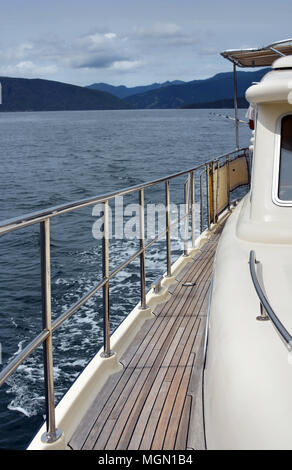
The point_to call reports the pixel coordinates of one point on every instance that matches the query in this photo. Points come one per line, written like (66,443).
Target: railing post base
(106,355)
(146,307)
(50,438)
(263,316)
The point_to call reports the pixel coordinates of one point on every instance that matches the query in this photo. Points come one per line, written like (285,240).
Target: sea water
(51,158)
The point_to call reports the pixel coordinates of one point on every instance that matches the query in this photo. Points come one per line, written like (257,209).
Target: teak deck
(155,402)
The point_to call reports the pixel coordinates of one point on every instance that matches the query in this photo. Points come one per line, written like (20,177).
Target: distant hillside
(219,87)
(22,94)
(222,104)
(123,91)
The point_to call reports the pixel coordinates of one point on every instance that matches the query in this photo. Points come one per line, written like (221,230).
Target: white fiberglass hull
(248,372)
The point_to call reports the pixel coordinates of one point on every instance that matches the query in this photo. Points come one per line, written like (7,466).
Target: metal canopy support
(235,107)
(277,52)
(260,57)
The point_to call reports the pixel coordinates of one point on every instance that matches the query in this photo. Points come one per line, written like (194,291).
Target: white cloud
(19,52)
(164,34)
(110,35)
(126,65)
(98,50)
(23,50)
(96,40)
(28,69)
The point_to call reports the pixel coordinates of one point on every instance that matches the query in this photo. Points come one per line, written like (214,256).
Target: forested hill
(122,91)
(197,93)
(22,94)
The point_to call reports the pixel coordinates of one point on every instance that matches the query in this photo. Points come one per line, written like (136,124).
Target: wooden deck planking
(174,420)
(191,275)
(155,401)
(182,433)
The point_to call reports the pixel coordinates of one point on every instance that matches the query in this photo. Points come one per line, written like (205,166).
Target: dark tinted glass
(285,174)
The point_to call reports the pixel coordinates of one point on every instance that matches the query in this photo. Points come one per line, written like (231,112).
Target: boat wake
(78,339)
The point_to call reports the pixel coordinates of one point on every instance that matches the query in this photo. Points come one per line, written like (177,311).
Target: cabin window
(285,170)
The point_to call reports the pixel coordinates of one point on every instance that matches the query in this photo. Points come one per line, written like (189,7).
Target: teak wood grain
(155,402)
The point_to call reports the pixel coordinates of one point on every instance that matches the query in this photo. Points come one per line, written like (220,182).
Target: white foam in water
(26,400)
(19,348)
(12,407)
(77,338)
(85,327)
(33,180)
(13,322)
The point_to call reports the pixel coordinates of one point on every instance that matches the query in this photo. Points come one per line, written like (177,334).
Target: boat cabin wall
(264,219)
(264,208)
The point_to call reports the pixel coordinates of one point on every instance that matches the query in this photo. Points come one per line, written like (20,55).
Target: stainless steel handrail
(126,263)
(43,218)
(39,216)
(284,334)
(20,358)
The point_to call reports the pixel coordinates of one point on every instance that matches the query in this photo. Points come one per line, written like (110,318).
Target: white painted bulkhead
(248,371)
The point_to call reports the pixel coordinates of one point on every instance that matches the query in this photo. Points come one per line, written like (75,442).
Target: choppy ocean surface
(52,158)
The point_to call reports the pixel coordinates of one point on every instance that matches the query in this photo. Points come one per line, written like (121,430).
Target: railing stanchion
(193,207)
(209,194)
(142,247)
(217,191)
(52,433)
(105,272)
(228,179)
(187,188)
(167,221)
(248,157)
(236,107)
(213,194)
(201,203)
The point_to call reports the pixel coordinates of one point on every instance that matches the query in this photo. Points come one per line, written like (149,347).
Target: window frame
(277,160)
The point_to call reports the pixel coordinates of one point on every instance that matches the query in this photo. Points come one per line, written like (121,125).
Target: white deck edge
(81,394)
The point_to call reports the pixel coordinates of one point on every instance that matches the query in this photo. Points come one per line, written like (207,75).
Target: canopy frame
(251,57)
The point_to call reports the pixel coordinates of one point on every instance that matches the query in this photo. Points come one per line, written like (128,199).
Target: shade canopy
(261,57)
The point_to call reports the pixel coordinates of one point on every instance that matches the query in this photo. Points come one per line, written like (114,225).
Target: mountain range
(216,92)
(123,92)
(22,94)
(219,87)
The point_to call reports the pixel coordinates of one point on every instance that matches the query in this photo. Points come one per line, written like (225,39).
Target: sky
(132,42)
